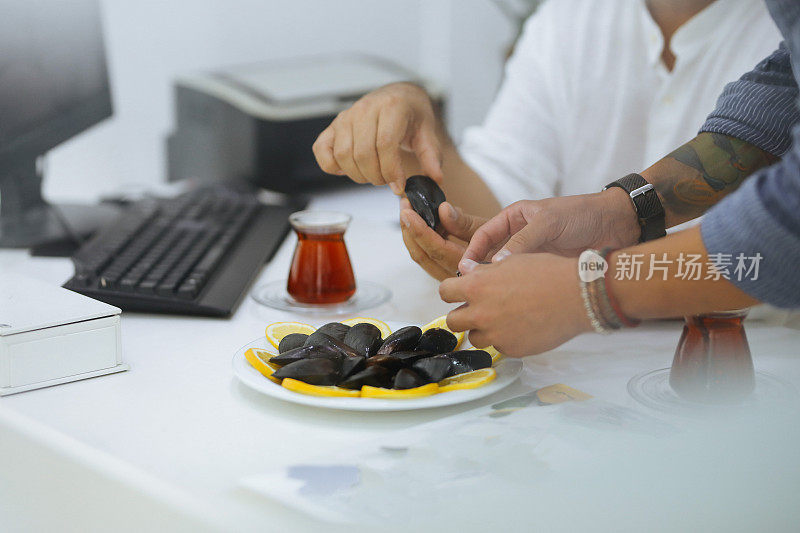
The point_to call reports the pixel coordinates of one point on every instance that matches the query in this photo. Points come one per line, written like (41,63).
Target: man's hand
(564,226)
(372,140)
(526,304)
(436,255)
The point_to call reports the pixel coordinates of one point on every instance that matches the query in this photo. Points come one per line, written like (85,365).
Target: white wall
(459,43)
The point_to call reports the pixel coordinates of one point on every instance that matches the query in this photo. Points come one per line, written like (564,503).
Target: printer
(255,124)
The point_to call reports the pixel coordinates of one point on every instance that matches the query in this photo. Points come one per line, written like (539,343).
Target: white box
(50,335)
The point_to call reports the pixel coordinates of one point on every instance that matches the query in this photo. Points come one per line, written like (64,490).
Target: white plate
(507,371)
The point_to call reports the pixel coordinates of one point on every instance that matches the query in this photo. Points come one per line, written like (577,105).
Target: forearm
(673,291)
(462,186)
(700,173)
(465,188)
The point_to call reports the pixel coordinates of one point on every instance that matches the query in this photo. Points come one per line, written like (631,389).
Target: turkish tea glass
(712,362)
(321,272)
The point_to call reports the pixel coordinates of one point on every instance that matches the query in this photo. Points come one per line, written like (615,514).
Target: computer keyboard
(194,254)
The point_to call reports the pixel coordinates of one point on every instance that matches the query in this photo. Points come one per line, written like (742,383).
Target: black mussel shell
(402,340)
(292,341)
(407,379)
(433,369)
(314,371)
(337,330)
(322,339)
(410,357)
(468,360)
(305,352)
(437,340)
(458,367)
(351,365)
(387,361)
(375,376)
(364,338)
(425,196)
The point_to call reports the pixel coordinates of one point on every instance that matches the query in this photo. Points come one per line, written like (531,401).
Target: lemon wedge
(278,330)
(258,360)
(383,326)
(441,322)
(318,390)
(416,392)
(468,380)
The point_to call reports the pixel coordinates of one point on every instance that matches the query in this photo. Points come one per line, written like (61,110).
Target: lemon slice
(417,392)
(318,390)
(491,350)
(278,330)
(441,322)
(468,380)
(383,326)
(258,360)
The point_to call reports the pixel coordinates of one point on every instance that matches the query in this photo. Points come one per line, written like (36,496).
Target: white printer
(256,123)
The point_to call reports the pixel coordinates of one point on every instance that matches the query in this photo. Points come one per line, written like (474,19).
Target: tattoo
(698,174)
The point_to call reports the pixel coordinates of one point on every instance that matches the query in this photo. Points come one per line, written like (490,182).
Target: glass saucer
(653,390)
(368,294)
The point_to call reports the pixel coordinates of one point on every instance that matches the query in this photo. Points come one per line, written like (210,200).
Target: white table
(180,419)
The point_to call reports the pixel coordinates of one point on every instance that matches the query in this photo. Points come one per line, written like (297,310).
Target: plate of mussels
(364,364)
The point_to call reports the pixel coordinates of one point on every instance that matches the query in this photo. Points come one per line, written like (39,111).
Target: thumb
(429,154)
(458,223)
(528,239)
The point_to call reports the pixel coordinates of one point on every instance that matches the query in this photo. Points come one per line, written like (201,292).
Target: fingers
(453,290)
(365,154)
(488,237)
(528,239)
(323,152)
(460,318)
(343,150)
(441,251)
(391,129)
(419,256)
(458,223)
(429,153)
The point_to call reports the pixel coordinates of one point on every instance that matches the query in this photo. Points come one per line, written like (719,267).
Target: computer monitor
(53,85)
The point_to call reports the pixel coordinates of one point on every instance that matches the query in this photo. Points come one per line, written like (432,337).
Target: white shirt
(586,98)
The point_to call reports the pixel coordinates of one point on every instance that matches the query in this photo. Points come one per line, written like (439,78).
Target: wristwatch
(646,203)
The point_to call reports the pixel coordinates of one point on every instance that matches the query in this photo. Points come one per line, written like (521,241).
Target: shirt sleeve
(515,150)
(760,107)
(753,235)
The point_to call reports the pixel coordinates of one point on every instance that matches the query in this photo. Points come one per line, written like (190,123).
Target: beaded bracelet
(601,308)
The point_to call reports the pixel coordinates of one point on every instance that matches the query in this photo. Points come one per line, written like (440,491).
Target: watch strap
(646,203)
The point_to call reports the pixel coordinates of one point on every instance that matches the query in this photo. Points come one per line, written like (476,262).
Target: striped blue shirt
(763,216)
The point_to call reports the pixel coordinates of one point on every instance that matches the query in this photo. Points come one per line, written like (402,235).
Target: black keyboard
(194,254)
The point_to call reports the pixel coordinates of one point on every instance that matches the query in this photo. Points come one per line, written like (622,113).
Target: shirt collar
(693,36)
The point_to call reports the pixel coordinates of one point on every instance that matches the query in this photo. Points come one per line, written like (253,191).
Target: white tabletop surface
(180,416)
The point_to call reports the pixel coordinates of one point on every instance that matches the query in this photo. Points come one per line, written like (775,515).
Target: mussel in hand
(425,196)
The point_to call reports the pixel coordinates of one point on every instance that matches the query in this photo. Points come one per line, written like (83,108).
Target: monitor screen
(53,78)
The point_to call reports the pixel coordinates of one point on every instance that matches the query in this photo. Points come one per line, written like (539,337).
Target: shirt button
(668,100)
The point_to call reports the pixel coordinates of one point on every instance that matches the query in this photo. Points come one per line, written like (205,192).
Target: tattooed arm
(701,172)
(689,181)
